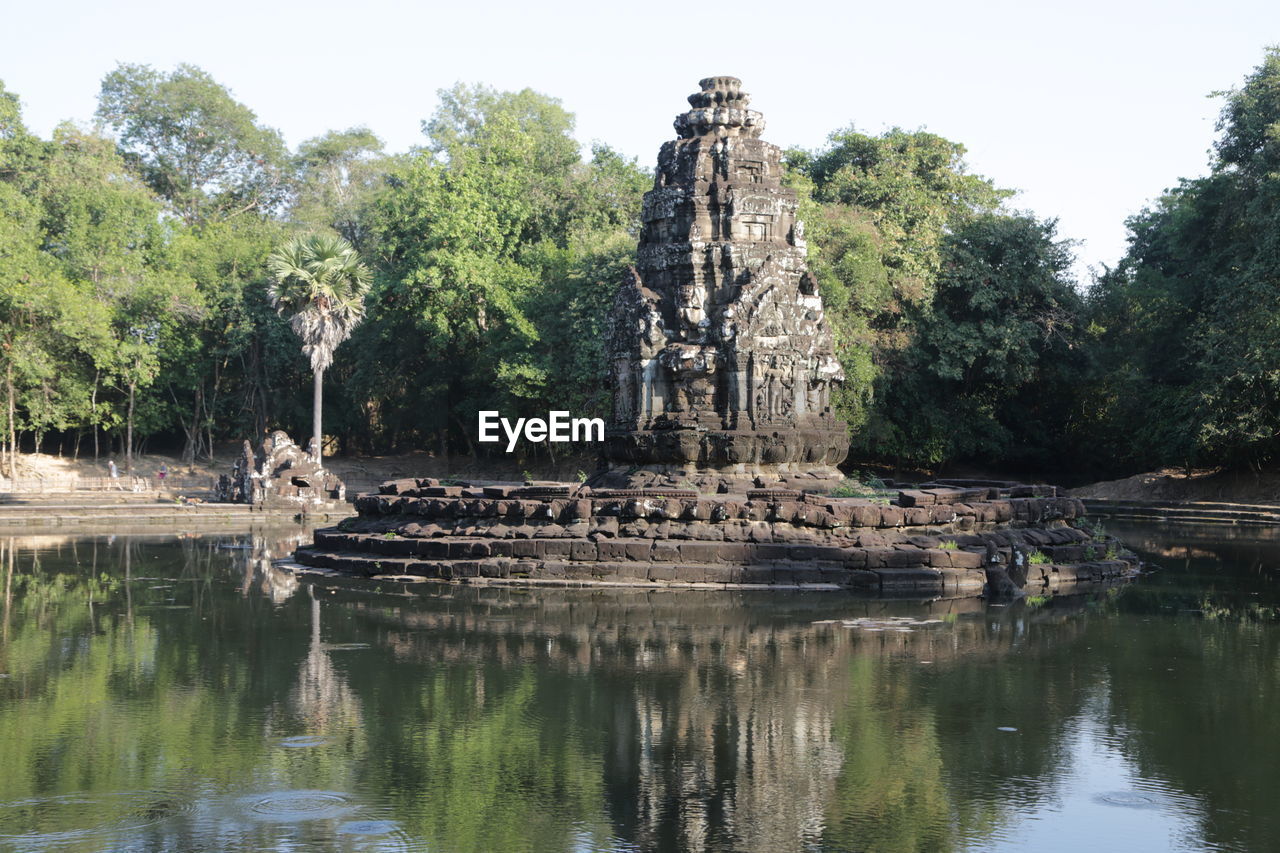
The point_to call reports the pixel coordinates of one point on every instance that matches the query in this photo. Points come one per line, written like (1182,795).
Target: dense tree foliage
(1187,326)
(950,313)
(135,302)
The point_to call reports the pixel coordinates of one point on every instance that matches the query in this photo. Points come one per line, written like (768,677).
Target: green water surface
(183,694)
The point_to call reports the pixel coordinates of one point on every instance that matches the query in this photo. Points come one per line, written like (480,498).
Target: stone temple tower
(721,360)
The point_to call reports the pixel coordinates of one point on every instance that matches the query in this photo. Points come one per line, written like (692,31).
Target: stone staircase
(1191,512)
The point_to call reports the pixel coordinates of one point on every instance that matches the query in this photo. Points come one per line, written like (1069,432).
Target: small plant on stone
(1113,553)
(528,478)
(852,488)
(582,476)
(1092,526)
(949,545)
(1037,558)
(1091,552)
(390,534)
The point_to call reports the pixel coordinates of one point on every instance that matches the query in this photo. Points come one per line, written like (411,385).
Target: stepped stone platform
(1188,512)
(939,541)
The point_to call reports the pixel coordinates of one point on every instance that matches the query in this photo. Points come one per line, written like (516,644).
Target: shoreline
(55,515)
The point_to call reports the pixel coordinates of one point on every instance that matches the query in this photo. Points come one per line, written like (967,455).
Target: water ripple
(291,806)
(1128,799)
(63,818)
(303,741)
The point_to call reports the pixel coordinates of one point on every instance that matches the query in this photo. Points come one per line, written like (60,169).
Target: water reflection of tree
(112,687)
(320,695)
(1195,682)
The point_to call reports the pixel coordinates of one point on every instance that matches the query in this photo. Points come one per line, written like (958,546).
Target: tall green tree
(336,176)
(320,282)
(193,143)
(1187,326)
(878,211)
(995,353)
(492,243)
(225,178)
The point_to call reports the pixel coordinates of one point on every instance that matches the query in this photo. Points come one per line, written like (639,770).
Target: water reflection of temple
(725,721)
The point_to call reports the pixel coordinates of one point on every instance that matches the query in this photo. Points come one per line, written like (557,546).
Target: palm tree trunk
(316,407)
(128,437)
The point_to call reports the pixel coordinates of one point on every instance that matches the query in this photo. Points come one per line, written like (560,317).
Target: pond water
(181,694)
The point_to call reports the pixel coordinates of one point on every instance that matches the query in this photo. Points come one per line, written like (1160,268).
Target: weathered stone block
(699,552)
(877,558)
(666,552)
(916,516)
(938,558)
(913,497)
(612,550)
(660,571)
(604,526)
(899,558)
(890,516)
(580,550)
(555,547)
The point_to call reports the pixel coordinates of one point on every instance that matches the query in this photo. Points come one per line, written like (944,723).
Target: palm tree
(319,280)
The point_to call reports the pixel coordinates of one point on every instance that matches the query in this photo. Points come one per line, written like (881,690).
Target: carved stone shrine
(720,357)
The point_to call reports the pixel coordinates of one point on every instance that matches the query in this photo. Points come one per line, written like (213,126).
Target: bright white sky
(1090,108)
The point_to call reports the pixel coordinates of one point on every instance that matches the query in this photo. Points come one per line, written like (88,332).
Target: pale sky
(1089,108)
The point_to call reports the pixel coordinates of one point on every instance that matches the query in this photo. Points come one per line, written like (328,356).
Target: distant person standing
(164,470)
(115,474)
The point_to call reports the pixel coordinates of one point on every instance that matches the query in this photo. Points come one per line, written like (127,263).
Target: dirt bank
(1171,484)
(40,472)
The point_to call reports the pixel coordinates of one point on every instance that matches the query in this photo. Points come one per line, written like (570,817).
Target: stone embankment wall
(929,541)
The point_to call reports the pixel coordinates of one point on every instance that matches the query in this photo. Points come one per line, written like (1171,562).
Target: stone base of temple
(812,446)
(724,461)
(955,542)
(734,480)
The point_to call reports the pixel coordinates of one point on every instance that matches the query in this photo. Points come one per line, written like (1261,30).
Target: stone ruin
(944,540)
(723,368)
(280,475)
(720,357)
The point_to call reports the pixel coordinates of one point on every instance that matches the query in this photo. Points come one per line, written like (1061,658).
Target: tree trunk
(95,416)
(316,408)
(128,433)
(13,431)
